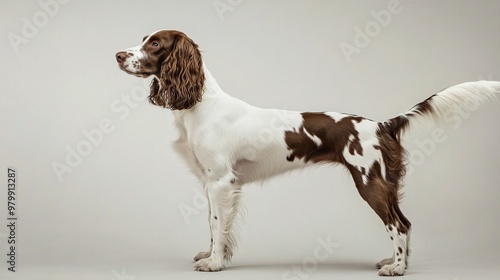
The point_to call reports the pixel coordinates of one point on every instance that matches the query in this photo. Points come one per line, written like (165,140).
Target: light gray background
(117,214)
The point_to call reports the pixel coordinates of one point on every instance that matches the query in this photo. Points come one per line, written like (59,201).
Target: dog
(229,143)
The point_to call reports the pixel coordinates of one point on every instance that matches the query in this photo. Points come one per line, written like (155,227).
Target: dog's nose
(121,56)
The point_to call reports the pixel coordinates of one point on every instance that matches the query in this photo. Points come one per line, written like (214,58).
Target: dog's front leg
(223,195)
(206,254)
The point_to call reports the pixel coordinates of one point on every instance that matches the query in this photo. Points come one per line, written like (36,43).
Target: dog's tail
(440,106)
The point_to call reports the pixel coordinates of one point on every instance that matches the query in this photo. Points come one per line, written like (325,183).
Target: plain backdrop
(129,208)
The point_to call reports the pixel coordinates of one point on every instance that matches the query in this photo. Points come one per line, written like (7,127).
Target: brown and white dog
(229,143)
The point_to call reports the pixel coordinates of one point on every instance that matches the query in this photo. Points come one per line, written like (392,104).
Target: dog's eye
(155,44)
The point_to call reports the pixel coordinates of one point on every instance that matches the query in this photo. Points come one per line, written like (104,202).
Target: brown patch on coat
(380,192)
(334,136)
(376,192)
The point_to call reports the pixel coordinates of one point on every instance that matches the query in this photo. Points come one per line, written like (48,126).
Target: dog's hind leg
(399,232)
(382,197)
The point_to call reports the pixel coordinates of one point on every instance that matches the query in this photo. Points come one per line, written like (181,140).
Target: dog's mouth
(137,74)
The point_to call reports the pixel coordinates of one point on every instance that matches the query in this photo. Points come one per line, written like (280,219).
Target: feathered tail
(435,109)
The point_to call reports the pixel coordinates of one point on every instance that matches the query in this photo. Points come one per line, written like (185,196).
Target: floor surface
(419,269)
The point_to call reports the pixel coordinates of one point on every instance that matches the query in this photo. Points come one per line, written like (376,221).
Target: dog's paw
(209,264)
(383,262)
(201,255)
(392,270)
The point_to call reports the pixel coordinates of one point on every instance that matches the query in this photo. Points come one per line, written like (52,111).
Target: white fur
(314,138)
(462,97)
(134,54)
(397,264)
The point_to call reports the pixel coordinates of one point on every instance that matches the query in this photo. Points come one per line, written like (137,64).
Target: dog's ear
(181,80)
(155,95)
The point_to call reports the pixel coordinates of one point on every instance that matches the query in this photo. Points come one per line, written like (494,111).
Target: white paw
(201,255)
(209,264)
(392,270)
(383,262)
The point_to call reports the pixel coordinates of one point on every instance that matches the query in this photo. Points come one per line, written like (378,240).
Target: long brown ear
(155,96)
(181,78)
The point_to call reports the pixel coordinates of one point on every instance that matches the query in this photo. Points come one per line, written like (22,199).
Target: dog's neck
(210,88)
(211,92)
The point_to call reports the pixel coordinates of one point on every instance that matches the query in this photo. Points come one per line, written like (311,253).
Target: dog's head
(176,63)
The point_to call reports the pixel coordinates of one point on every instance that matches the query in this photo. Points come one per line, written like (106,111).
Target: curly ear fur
(181,79)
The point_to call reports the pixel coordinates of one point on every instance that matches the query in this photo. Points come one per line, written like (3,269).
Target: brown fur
(180,82)
(334,136)
(382,194)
